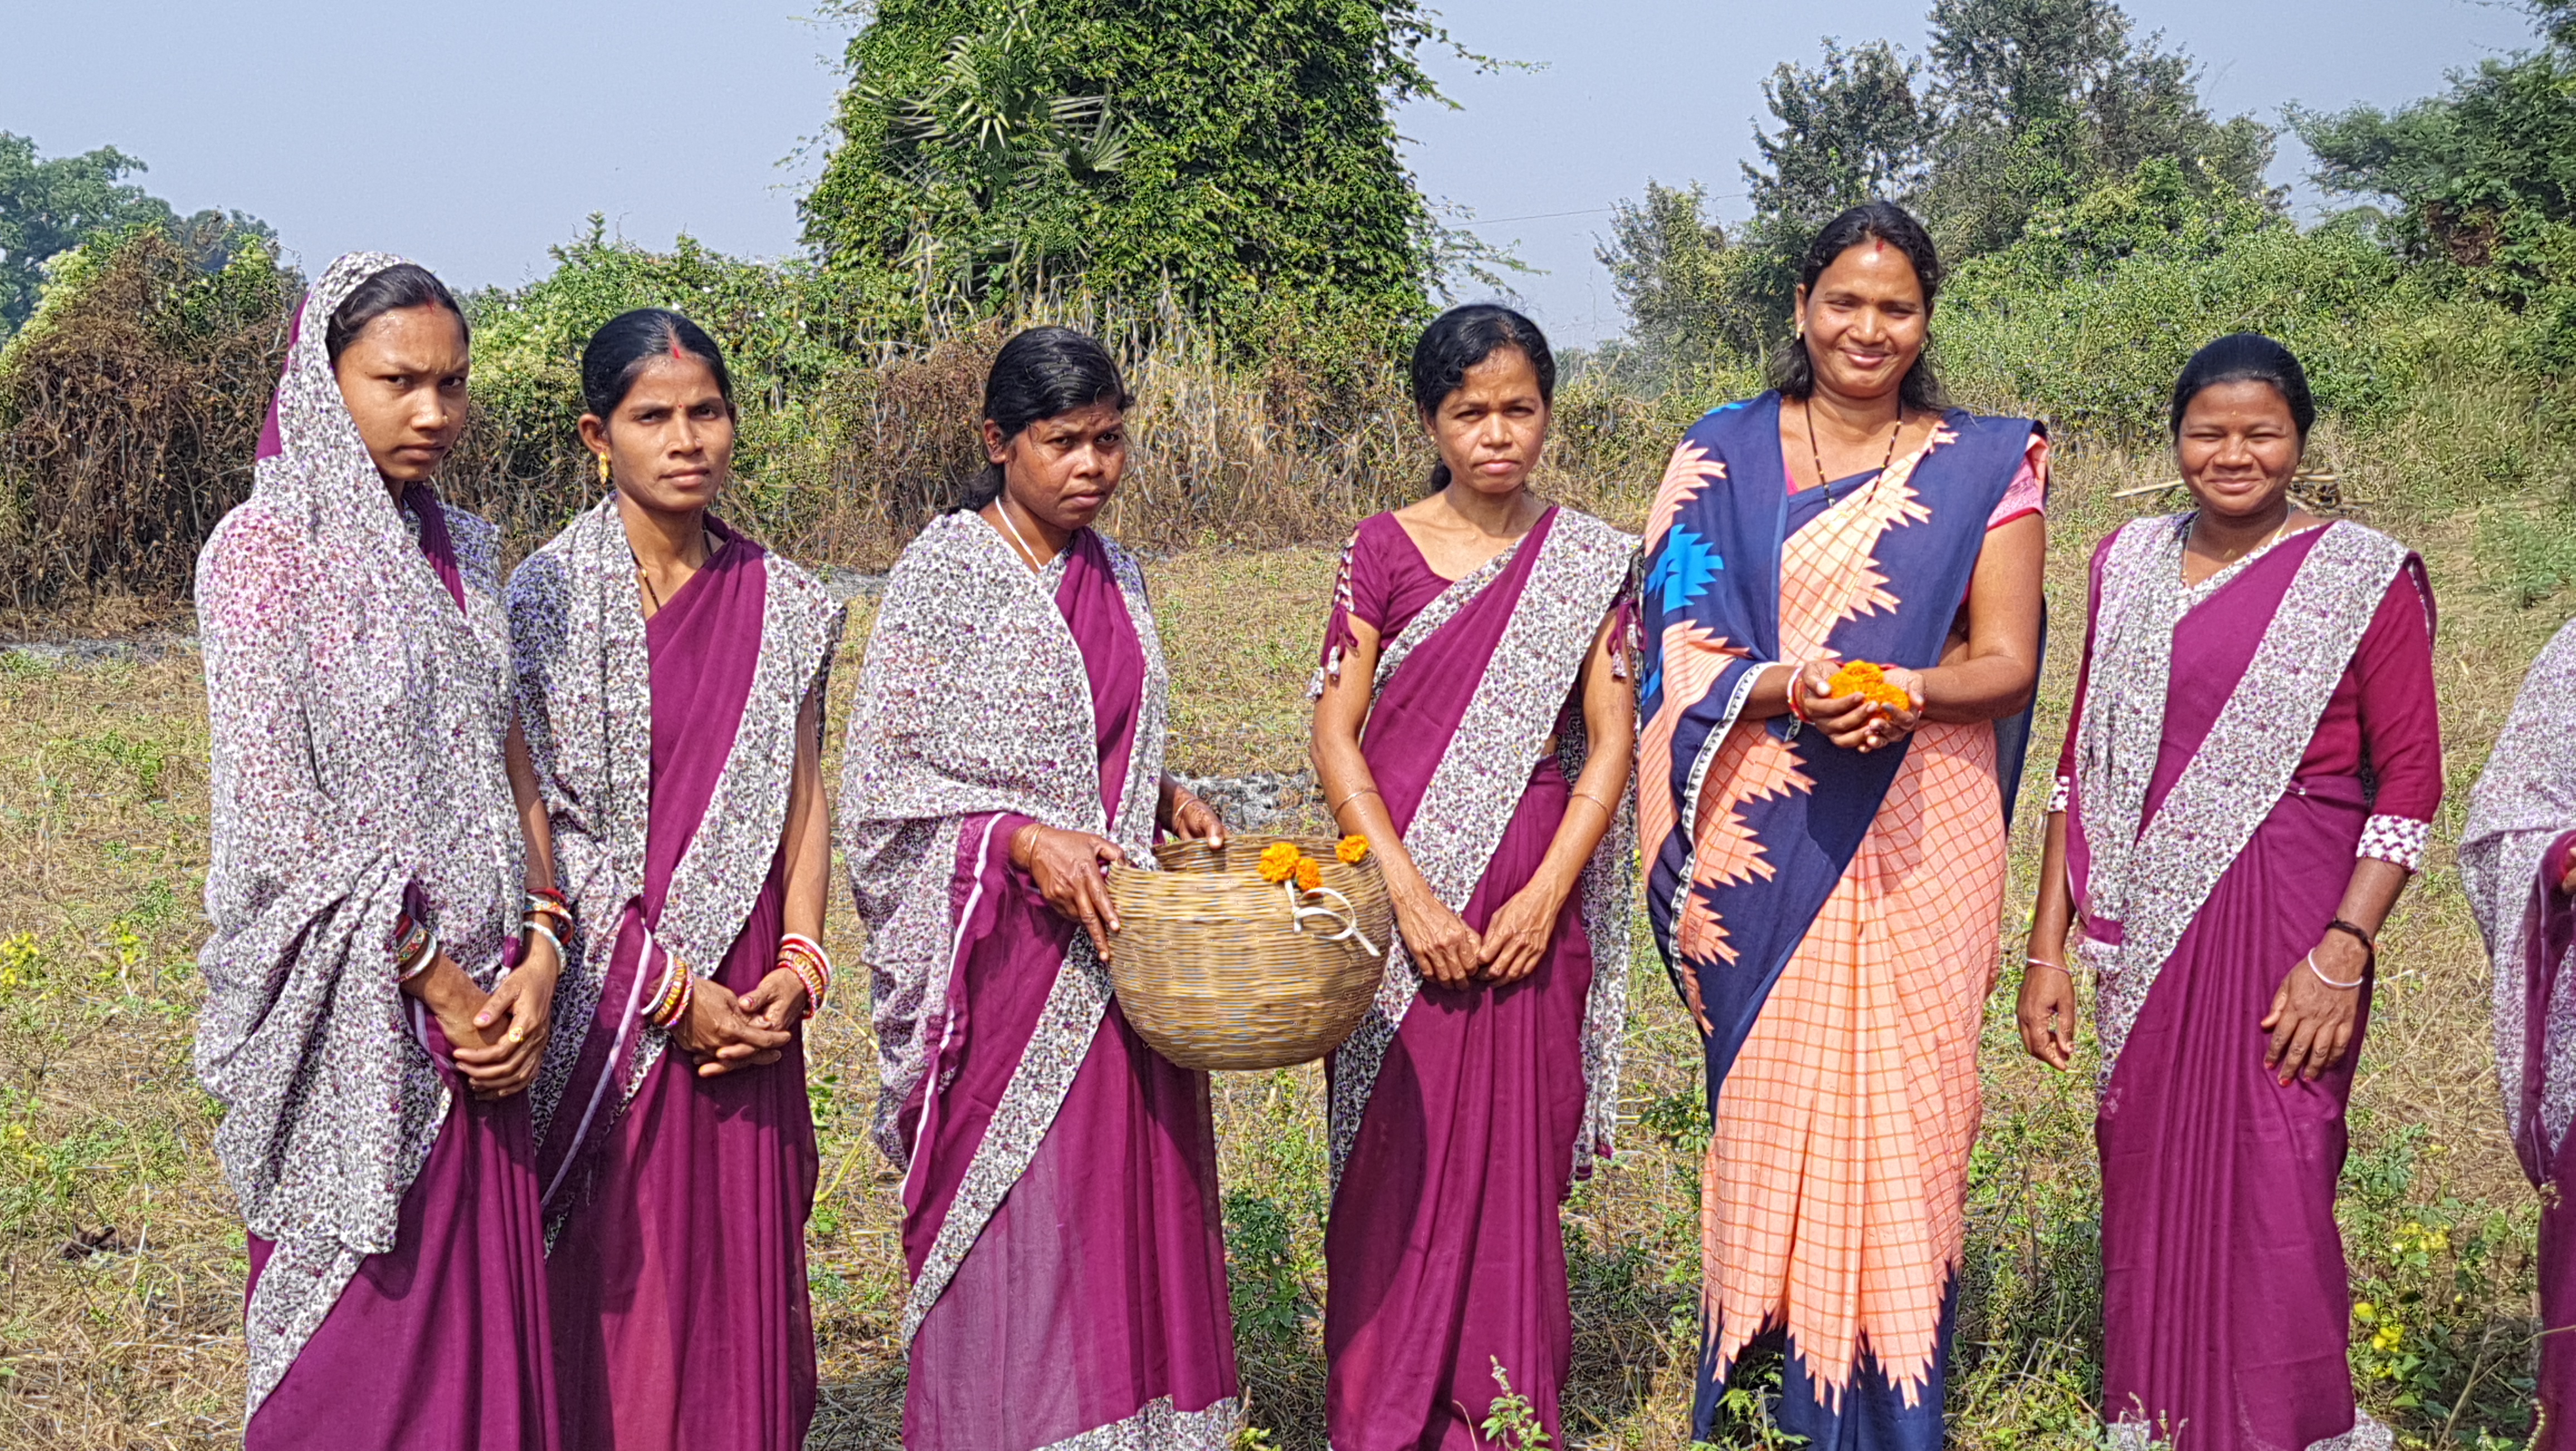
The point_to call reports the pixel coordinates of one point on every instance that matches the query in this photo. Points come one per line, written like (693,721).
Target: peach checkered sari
(1830,918)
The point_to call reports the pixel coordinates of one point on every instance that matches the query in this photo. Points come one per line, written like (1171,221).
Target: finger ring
(516,1035)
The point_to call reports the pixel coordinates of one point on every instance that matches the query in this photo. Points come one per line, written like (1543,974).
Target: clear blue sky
(475,133)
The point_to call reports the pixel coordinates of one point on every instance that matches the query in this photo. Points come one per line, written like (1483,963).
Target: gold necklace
(2193,531)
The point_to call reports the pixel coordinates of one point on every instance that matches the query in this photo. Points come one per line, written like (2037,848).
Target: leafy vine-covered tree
(1236,155)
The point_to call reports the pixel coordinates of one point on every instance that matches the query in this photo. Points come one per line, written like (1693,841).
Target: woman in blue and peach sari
(1825,865)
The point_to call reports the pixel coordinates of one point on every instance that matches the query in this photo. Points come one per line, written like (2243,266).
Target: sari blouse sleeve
(1359,593)
(2400,729)
(2027,494)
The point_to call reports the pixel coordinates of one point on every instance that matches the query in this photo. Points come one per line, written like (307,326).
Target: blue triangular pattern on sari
(1809,837)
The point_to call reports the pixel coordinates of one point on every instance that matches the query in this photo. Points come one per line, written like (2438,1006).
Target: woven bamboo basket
(1217,968)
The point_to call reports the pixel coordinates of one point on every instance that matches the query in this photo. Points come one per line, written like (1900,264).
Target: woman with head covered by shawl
(671,676)
(2518,858)
(1825,850)
(2248,778)
(361,1028)
(1475,640)
(1060,1222)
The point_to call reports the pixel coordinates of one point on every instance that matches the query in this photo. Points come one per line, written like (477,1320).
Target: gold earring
(603,468)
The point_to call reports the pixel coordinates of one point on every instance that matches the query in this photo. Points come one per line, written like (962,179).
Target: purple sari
(383,1369)
(1462,1115)
(686,1249)
(665,750)
(2514,858)
(2218,796)
(1061,1220)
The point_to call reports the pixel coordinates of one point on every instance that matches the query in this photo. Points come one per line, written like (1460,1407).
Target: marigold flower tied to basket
(1265,955)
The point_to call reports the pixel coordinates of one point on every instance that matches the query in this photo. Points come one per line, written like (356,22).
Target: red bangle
(1797,677)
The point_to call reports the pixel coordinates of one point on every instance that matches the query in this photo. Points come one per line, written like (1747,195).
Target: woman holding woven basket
(1061,1225)
(1474,650)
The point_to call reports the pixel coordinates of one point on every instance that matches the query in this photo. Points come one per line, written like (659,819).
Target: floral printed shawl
(357,721)
(974,700)
(585,692)
(2524,802)
(2140,880)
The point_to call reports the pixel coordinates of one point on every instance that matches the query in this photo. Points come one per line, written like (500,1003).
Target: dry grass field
(121,1266)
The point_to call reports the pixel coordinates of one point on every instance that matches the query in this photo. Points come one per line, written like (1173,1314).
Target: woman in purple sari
(362,1026)
(2518,858)
(2247,784)
(671,676)
(1060,1221)
(1473,652)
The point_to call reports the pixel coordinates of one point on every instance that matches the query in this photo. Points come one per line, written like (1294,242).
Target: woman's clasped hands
(1852,720)
(1448,952)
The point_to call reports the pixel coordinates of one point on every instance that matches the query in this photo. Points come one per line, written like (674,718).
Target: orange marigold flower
(1279,861)
(1310,874)
(1352,849)
(1870,682)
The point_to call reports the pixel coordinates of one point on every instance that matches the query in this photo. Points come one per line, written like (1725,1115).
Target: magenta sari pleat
(1098,1287)
(681,1315)
(441,1343)
(1444,1251)
(2549,932)
(2225,1302)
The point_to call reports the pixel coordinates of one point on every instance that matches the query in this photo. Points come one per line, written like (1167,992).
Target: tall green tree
(2041,101)
(2484,174)
(1238,155)
(1678,278)
(2020,111)
(49,207)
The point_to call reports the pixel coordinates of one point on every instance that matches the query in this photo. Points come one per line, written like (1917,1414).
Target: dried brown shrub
(129,411)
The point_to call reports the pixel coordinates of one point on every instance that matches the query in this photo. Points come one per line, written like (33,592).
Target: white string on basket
(1348,919)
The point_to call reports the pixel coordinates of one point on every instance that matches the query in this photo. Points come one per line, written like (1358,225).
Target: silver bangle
(2330,982)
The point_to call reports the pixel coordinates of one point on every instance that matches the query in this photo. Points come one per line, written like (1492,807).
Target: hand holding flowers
(1859,705)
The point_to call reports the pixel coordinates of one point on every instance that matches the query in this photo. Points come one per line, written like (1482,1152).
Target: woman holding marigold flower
(1473,652)
(1060,1215)
(2247,783)
(1841,620)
